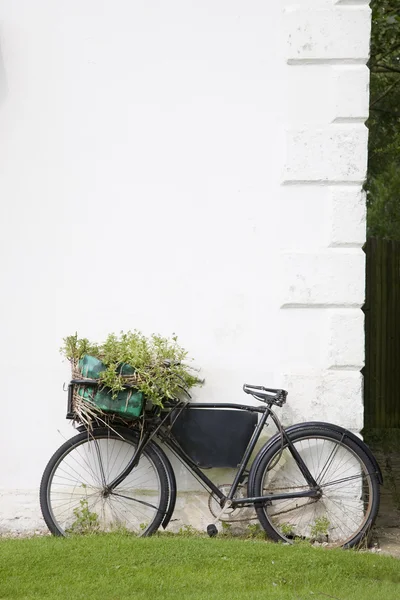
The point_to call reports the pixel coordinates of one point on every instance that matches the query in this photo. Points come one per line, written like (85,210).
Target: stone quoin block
(331,396)
(339,94)
(347,216)
(346,339)
(303,108)
(336,153)
(350,92)
(331,278)
(335,338)
(335,217)
(313,34)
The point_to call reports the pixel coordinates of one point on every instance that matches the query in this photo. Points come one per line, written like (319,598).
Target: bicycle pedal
(212,530)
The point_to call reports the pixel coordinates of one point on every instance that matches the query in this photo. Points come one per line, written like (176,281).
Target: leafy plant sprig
(157,379)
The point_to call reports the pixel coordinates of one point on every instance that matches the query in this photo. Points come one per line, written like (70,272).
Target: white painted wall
(180,167)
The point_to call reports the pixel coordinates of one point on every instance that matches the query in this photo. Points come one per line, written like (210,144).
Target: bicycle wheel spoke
(86,461)
(68,508)
(119,516)
(103,477)
(344,480)
(128,509)
(338,466)
(77,473)
(135,500)
(116,458)
(327,463)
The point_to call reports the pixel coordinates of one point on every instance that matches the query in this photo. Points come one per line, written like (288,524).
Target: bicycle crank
(229,514)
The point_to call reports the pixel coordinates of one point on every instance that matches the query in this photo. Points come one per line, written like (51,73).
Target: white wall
(180,167)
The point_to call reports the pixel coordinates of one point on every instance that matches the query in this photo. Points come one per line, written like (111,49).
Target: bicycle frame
(201,440)
(266,411)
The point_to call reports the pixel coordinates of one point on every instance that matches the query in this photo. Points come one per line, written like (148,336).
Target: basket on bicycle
(121,375)
(91,400)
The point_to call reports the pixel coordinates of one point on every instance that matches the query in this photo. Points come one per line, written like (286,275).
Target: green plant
(254,531)
(320,528)
(226,528)
(189,531)
(85,520)
(287,529)
(75,348)
(158,363)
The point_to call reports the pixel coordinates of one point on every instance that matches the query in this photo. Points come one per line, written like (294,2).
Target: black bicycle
(311,481)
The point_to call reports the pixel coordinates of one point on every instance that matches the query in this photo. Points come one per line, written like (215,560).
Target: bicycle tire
(354,491)
(70,475)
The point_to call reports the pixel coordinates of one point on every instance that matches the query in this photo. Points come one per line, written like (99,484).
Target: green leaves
(320,529)
(383,184)
(384,204)
(157,361)
(75,348)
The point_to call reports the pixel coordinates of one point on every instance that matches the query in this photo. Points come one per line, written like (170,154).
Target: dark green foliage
(383,182)
(384,204)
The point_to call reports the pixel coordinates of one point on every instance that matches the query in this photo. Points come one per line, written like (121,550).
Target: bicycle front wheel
(74,496)
(349,490)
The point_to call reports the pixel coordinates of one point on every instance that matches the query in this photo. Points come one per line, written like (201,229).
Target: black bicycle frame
(266,411)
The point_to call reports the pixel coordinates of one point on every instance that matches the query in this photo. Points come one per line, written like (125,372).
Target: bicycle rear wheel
(349,488)
(73,492)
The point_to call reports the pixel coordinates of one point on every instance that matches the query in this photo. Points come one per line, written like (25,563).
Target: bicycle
(311,481)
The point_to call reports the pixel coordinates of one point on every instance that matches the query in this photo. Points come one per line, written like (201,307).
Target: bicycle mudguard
(172,484)
(295,428)
(168,469)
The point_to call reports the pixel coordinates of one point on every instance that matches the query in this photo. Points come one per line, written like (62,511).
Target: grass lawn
(118,567)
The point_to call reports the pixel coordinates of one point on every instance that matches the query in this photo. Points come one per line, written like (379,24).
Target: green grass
(118,567)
